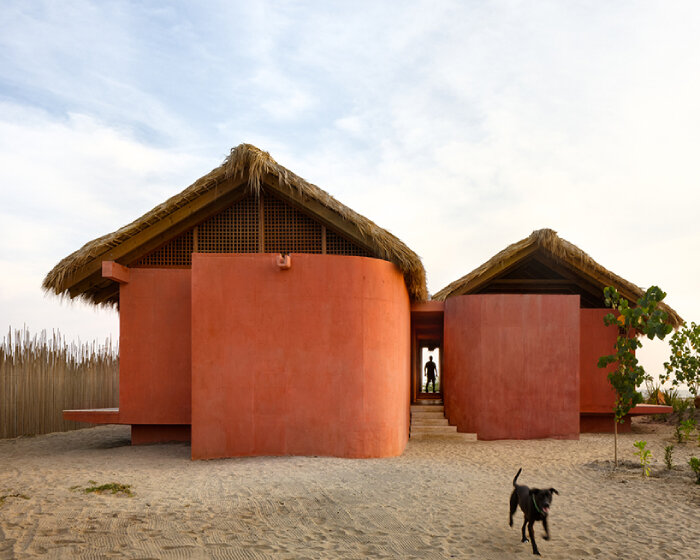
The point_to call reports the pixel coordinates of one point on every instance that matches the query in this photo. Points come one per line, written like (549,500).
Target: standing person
(430,370)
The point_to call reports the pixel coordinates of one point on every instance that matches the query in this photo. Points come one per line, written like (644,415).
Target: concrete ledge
(639,410)
(93,415)
(459,436)
(644,409)
(600,421)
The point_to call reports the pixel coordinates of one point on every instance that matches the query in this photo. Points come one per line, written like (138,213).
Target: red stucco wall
(597,394)
(511,365)
(313,360)
(154,347)
(144,434)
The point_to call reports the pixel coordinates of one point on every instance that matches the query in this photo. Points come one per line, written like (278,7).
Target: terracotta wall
(597,395)
(313,360)
(511,365)
(154,347)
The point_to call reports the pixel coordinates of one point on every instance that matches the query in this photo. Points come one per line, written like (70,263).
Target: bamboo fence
(40,376)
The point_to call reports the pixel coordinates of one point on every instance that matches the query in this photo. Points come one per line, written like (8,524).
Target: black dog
(535,505)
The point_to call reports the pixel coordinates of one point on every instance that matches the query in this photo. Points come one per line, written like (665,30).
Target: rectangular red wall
(597,395)
(313,360)
(511,365)
(154,347)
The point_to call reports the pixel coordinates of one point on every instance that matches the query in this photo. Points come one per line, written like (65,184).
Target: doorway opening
(427,351)
(426,341)
(430,373)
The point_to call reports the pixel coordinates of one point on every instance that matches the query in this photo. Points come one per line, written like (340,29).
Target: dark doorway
(426,340)
(425,389)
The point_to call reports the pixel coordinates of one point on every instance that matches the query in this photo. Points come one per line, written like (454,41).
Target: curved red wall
(313,360)
(511,365)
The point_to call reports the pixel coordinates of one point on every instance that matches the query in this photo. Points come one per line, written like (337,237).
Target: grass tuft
(5,496)
(112,487)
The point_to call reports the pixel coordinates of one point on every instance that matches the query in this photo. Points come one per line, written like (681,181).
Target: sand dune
(442,498)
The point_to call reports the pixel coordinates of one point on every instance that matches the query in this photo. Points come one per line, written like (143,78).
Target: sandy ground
(441,499)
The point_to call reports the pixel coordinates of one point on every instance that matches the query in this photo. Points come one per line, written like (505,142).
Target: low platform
(93,415)
(141,434)
(601,421)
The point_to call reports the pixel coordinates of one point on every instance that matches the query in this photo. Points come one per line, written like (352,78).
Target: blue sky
(459,126)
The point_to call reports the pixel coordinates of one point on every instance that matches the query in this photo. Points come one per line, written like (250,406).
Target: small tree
(683,365)
(645,318)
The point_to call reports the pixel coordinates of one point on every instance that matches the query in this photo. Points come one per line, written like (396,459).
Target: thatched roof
(244,171)
(578,266)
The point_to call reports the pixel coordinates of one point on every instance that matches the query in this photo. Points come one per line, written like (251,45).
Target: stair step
(426,414)
(433,429)
(449,435)
(428,408)
(430,422)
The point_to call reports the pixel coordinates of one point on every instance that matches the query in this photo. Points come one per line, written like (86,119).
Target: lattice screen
(177,252)
(337,245)
(237,230)
(287,230)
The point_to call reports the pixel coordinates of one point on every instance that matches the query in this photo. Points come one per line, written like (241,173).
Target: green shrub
(644,455)
(695,465)
(687,427)
(670,397)
(681,405)
(653,391)
(668,457)
(679,433)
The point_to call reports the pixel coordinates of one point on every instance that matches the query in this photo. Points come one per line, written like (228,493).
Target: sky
(459,126)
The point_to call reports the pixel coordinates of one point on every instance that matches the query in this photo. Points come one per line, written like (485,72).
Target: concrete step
(428,414)
(433,429)
(428,421)
(427,408)
(441,421)
(451,436)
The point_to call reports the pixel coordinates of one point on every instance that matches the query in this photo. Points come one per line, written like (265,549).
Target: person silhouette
(430,370)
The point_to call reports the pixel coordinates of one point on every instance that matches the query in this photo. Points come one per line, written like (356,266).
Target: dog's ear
(554,491)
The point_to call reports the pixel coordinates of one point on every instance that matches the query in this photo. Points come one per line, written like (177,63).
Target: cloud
(64,182)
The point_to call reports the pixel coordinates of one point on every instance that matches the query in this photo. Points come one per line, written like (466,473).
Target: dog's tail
(517,475)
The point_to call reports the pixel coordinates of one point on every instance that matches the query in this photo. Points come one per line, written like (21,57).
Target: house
(260,316)
(522,337)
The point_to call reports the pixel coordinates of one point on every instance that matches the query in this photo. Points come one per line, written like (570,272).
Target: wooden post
(261,224)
